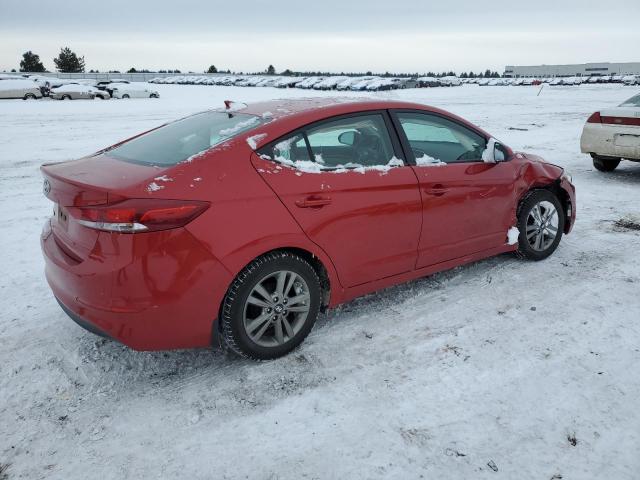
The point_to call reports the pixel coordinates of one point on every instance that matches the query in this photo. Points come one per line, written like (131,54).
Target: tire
(605,164)
(539,214)
(261,328)
(126,95)
(30,96)
(66,97)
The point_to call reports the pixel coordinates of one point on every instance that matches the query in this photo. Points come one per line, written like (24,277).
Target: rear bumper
(148,291)
(606,140)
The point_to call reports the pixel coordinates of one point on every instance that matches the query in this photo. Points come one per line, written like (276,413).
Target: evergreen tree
(69,62)
(132,70)
(31,63)
(212,69)
(271,70)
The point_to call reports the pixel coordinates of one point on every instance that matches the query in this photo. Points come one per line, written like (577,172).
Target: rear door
(343,181)
(467,203)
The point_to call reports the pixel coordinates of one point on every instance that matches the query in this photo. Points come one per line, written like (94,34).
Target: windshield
(632,102)
(182,139)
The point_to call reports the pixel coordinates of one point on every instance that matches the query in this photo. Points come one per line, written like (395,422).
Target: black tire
(30,96)
(605,164)
(66,97)
(126,95)
(235,304)
(526,223)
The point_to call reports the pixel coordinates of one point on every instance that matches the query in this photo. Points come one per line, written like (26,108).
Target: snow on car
(19,88)
(77,91)
(132,90)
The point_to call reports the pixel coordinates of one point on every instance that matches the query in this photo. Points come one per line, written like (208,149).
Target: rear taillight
(595,118)
(139,215)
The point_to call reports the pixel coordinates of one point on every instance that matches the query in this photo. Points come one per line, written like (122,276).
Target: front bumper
(570,191)
(157,291)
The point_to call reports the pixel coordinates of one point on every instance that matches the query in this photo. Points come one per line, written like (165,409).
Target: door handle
(437,190)
(313,202)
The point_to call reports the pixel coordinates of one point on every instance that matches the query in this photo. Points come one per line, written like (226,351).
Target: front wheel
(126,95)
(541,223)
(271,306)
(605,164)
(30,96)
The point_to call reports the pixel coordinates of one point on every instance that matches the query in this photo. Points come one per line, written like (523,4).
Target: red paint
(631,121)
(163,289)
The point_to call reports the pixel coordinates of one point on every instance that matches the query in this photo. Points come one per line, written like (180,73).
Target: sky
(326,35)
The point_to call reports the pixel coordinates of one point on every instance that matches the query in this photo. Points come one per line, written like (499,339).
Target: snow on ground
(528,367)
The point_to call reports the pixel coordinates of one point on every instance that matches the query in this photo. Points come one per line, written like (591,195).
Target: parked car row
(32,87)
(376,83)
(366,83)
(555,81)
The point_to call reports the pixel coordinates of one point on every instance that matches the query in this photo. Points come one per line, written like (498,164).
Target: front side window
(182,139)
(435,139)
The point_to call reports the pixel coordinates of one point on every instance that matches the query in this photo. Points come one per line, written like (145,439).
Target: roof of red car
(287,115)
(330,105)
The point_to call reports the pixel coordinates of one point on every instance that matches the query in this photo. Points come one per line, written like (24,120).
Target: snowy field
(501,369)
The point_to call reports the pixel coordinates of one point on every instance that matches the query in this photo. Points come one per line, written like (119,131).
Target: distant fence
(132,77)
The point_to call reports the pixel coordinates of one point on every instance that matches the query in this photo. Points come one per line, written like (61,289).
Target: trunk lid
(90,181)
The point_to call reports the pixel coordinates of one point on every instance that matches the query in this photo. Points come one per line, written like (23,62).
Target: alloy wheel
(542,225)
(276,308)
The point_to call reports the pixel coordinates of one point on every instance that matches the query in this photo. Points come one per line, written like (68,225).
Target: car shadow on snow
(627,173)
(113,359)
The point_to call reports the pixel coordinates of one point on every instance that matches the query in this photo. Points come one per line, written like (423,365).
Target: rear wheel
(30,96)
(271,306)
(605,164)
(541,223)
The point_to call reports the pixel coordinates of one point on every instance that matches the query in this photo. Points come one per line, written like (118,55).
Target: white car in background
(76,91)
(132,90)
(613,134)
(631,80)
(19,88)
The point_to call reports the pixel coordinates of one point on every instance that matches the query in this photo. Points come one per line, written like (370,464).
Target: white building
(577,70)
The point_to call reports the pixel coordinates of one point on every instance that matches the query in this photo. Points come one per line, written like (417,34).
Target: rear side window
(349,142)
(182,139)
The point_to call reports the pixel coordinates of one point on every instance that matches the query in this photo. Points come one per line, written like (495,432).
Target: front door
(467,203)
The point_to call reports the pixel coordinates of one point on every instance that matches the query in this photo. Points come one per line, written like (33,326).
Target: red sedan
(243,223)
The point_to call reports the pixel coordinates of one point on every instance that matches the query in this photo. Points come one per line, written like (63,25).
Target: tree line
(68,61)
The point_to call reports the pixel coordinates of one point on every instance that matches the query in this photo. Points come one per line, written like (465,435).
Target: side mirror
(499,155)
(494,152)
(347,138)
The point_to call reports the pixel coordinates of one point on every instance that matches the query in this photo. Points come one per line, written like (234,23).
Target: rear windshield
(632,102)
(182,139)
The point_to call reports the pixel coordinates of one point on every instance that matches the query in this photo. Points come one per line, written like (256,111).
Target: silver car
(73,91)
(16,88)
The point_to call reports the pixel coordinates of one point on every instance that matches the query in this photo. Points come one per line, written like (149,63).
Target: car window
(290,149)
(182,139)
(360,140)
(435,139)
(632,102)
